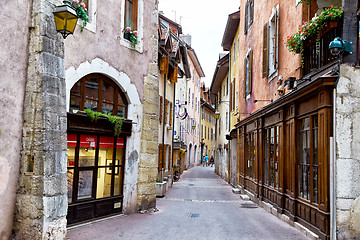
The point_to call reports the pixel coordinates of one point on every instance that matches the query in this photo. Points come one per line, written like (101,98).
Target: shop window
(308,159)
(250,155)
(99,94)
(271,174)
(95,167)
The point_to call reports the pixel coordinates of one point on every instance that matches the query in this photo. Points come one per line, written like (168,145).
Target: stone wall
(348,153)
(14,31)
(41,202)
(150,133)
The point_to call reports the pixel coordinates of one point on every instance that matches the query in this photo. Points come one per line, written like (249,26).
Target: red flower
(330,14)
(332,6)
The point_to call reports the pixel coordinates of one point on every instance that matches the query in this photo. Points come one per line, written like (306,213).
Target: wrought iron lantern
(65,19)
(217,114)
(338,45)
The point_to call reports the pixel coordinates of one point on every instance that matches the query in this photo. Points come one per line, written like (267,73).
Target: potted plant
(176,168)
(81,11)
(131,36)
(160,188)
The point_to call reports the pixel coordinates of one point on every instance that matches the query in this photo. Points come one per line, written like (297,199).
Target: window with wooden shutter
(131,9)
(248,74)
(265,70)
(273,42)
(161,109)
(250,70)
(233,95)
(160,162)
(164,64)
(249,15)
(166,111)
(251,5)
(171,114)
(246,17)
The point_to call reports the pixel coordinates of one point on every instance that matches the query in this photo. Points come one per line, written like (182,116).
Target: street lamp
(193,126)
(217,114)
(65,19)
(337,46)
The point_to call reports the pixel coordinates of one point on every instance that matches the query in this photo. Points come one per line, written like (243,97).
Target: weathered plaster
(13,64)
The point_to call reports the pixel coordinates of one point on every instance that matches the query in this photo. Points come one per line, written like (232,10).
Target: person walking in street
(212,161)
(203,161)
(207,160)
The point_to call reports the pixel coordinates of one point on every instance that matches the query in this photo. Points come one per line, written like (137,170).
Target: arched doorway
(96,156)
(189,160)
(195,156)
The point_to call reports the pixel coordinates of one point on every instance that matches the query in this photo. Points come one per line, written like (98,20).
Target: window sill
(126,43)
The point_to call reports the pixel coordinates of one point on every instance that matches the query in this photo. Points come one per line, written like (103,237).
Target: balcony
(316,53)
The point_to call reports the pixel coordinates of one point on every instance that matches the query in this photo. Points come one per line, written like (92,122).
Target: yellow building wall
(234,79)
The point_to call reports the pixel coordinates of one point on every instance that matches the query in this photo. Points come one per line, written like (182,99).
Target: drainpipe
(173,125)
(333,165)
(229,142)
(163,132)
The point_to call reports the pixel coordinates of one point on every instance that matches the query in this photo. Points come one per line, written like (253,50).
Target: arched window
(98,93)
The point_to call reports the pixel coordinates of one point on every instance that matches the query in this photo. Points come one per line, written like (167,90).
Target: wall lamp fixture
(338,46)
(217,114)
(65,19)
(259,100)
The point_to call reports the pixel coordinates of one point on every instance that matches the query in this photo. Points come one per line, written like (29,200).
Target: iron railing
(316,51)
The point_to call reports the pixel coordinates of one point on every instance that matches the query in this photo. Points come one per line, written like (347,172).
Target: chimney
(186,38)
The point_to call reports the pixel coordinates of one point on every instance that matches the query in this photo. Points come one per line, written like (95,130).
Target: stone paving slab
(207,209)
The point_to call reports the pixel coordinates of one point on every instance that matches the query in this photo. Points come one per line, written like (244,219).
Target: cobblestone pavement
(200,206)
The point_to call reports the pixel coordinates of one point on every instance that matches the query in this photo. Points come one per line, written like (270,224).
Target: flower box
(160,189)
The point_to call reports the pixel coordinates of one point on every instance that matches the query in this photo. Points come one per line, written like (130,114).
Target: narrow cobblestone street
(200,205)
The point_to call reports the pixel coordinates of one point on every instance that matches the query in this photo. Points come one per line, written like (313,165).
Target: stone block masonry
(41,201)
(146,192)
(347,153)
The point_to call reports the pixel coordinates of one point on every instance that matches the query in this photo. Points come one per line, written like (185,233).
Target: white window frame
(273,64)
(247,63)
(91,26)
(140,27)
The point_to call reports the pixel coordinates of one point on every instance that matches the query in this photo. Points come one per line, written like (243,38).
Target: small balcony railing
(316,53)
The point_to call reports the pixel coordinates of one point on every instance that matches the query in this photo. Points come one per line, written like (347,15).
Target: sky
(205,21)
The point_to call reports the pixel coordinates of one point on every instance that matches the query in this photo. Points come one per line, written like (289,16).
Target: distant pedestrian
(203,161)
(212,161)
(207,160)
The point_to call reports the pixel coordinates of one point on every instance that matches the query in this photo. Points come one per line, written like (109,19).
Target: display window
(95,166)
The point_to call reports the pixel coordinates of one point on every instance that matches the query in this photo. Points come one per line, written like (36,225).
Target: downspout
(229,142)
(173,125)
(333,165)
(163,133)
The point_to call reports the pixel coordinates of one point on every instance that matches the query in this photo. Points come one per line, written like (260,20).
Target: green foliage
(81,11)
(159,181)
(115,120)
(131,35)
(306,1)
(313,28)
